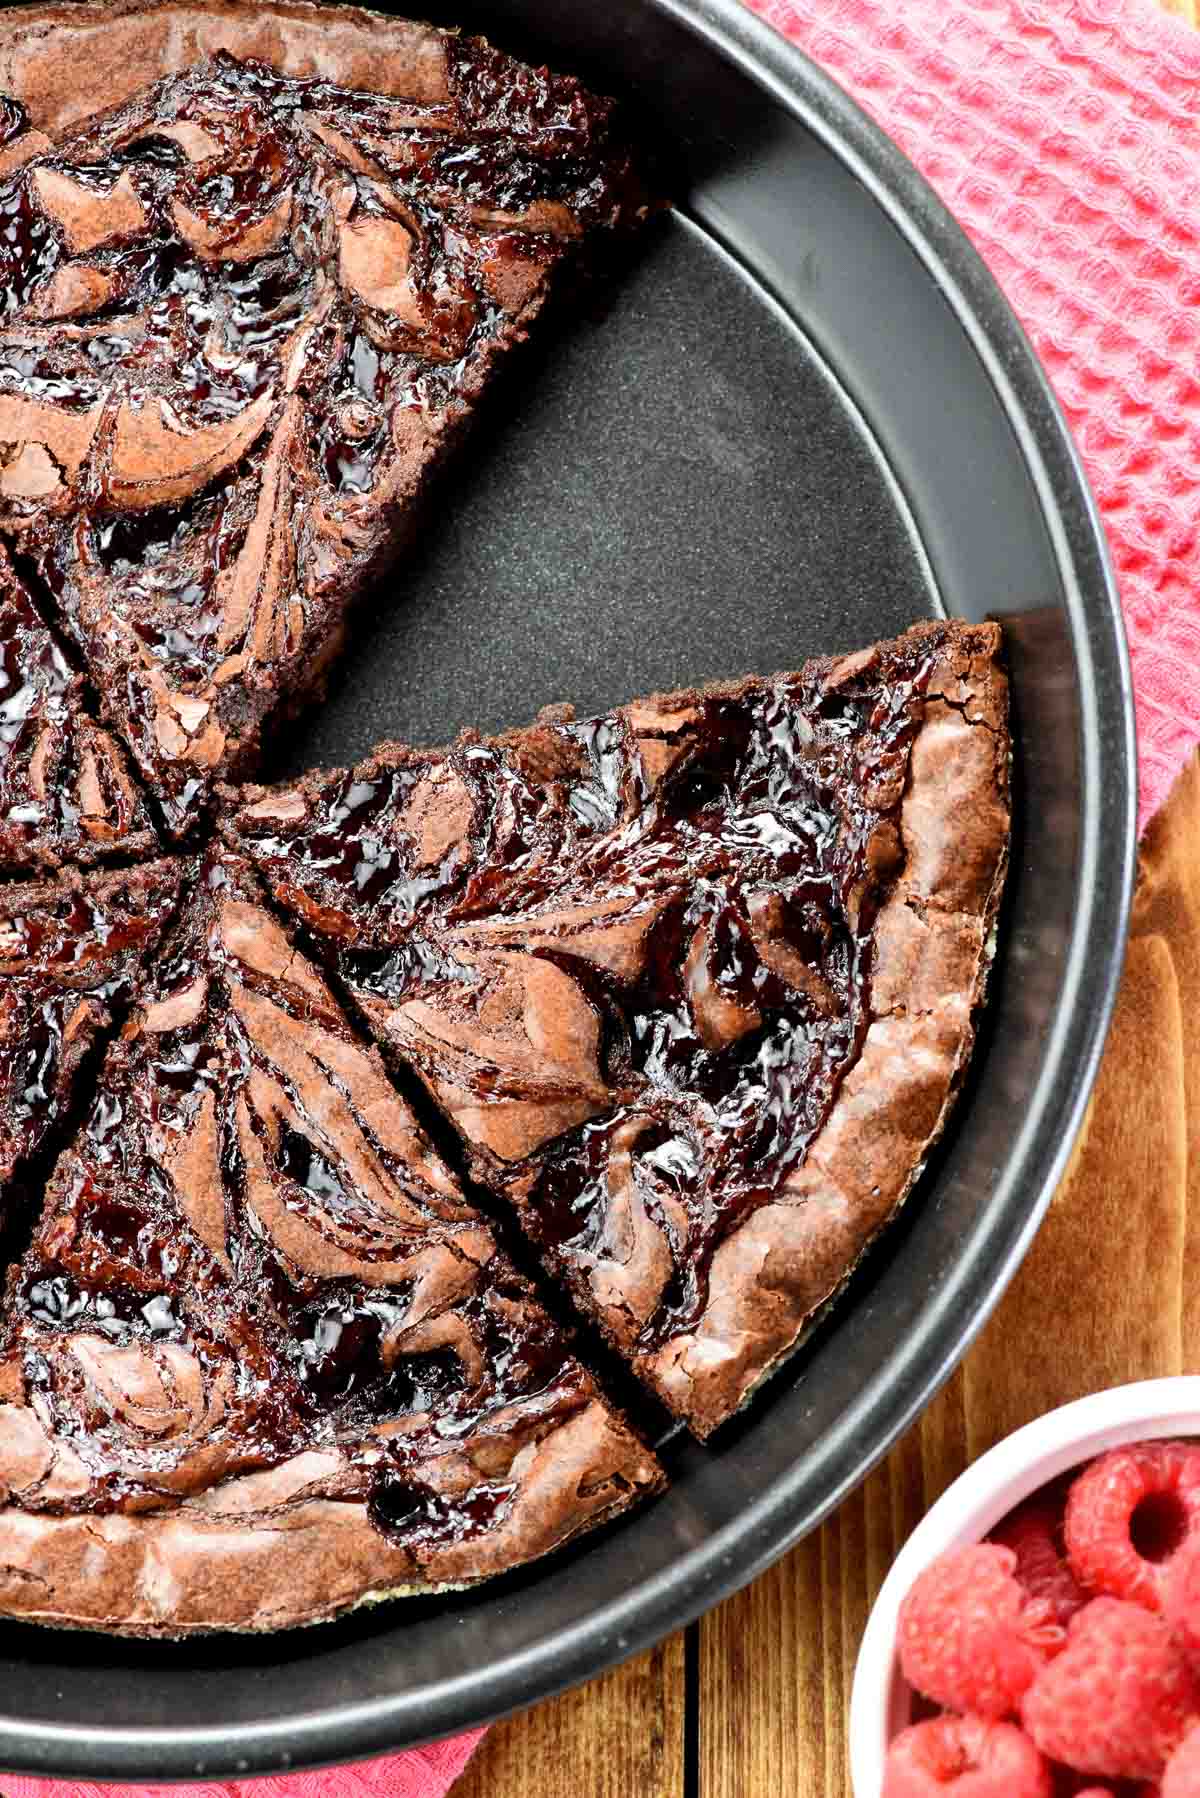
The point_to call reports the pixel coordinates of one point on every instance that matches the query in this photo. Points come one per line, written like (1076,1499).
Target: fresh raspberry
(1181,1778)
(1033,1532)
(1083,1785)
(1118,1699)
(970,1638)
(1181,1598)
(1128,1513)
(967,1757)
(1069,1784)
(1078,1785)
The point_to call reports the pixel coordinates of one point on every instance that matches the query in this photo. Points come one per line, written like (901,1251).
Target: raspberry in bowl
(1039,1633)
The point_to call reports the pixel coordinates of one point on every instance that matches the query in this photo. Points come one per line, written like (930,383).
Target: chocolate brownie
(259,264)
(67,796)
(263,1361)
(70,950)
(695,981)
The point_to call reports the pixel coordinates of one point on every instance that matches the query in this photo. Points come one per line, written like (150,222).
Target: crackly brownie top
(69,950)
(251,1255)
(236,314)
(66,792)
(633,957)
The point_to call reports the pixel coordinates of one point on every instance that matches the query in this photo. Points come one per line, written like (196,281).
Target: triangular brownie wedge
(70,950)
(247,313)
(695,981)
(263,1361)
(67,795)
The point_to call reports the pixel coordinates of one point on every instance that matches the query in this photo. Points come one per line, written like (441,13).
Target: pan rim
(778,1518)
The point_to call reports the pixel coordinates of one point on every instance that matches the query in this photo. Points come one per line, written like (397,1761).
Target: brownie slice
(70,949)
(695,982)
(67,795)
(263,1361)
(247,310)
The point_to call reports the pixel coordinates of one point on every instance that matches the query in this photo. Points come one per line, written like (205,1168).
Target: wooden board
(622,1735)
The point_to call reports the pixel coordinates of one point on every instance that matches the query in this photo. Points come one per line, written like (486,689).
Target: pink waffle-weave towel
(421,1773)
(1065,136)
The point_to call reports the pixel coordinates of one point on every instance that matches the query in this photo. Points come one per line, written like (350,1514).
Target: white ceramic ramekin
(974,1504)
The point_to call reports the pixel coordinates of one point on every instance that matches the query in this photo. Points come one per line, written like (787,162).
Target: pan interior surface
(671,486)
(801,418)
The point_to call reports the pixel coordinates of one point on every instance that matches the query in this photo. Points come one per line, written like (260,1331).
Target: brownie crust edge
(774,1278)
(256,1554)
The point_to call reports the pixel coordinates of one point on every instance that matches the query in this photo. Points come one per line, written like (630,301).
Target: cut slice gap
(263,1361)
(22,1196)
(68,796)
(317,283)
(90,701)
(652,1420)
(71,953)
(695,982)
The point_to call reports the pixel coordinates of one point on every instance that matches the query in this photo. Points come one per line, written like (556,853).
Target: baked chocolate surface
(694,981)
(67,794)
(246,311)
(263,1361)
(71,949)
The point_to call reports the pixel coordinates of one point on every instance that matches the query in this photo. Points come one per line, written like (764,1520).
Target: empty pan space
(672,487)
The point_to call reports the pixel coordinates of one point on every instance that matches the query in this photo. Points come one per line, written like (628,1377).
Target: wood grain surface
(752,1702)
(623,1734)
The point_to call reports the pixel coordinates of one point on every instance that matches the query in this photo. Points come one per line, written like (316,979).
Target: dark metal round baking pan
(803,417)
